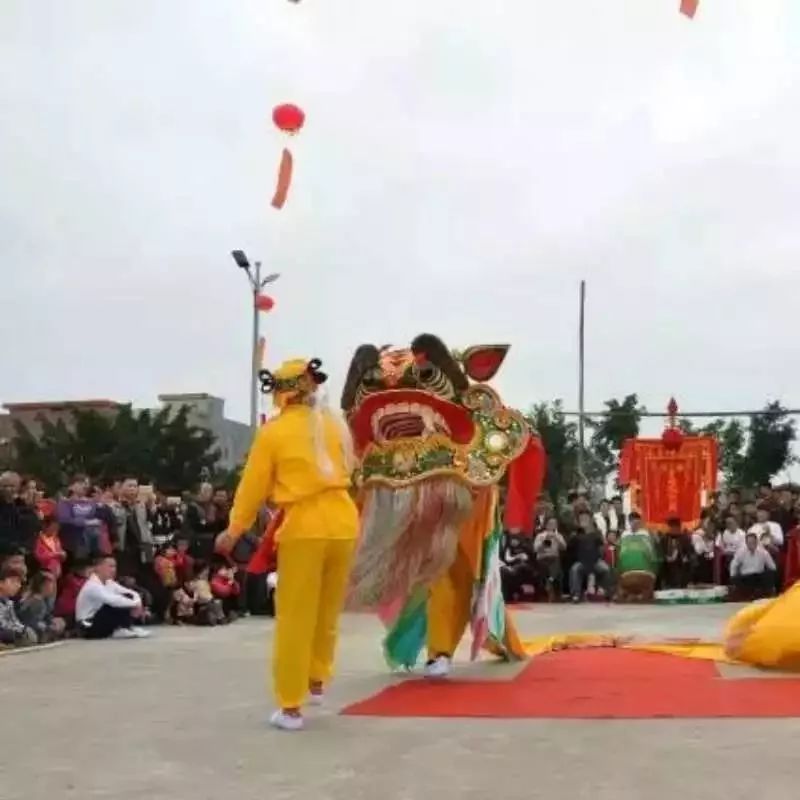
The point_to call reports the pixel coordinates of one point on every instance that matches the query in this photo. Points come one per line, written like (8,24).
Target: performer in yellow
(300,462)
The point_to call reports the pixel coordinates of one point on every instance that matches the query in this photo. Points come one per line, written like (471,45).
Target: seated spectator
(183,604)
(611,551)
(105,609)
(587,550)
(148,615)
(677,558)
(208,610)
(225,589)
(36,608)
(48,552)
(12,630)
(703,544)
(764,525)
(516,567)
(68,594)
(753,570)
(16,560)
(729,543)
(548,547)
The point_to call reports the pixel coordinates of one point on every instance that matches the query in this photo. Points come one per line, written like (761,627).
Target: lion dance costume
(301,463)
(433,442)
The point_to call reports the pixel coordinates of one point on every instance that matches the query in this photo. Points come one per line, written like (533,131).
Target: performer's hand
(223,544)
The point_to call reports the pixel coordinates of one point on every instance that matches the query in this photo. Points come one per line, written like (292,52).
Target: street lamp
(257,283)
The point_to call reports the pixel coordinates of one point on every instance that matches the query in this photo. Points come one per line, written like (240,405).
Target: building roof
(62,405)
(187,396)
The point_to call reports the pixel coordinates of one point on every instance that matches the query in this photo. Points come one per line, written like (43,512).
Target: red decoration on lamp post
(264,302)
(673,435)
(288,117)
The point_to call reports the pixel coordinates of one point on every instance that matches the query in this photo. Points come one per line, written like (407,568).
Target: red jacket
(49,553)
(223,586)
(791,569)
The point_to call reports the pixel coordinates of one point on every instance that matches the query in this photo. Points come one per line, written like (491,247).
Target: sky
(464,165)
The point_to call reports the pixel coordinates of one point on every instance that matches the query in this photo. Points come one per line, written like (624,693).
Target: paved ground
(181,717)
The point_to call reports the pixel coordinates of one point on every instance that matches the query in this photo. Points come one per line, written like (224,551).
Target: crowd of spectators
(747,541)
(110,560)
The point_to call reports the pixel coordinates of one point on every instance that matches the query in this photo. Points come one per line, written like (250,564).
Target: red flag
(689,7)
(284,180)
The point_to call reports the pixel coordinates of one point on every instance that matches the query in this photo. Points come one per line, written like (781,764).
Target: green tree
(560,440)
(769,443)
(155,447)
(619,422)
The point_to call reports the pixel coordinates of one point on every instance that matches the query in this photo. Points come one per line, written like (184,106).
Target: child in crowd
(184,563)
(611,550)
(16,561)
(48,552)
(225,589)
(12,630)
(182,609)
(68,594)
(167,572)
(208,610)
(36,608)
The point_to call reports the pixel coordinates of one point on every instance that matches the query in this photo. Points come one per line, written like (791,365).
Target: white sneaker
(140,633)
(286,722)
(124,633)
(438,668)
(316,698)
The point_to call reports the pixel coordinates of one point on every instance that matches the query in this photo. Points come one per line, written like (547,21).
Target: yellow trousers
(312,583)
(449,608)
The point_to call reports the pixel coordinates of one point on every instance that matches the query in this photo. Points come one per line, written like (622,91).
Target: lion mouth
(388,416)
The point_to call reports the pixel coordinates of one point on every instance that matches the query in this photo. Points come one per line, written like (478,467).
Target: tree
(619,422)
(155,447)
(752,456)
(769,442)
(560,440)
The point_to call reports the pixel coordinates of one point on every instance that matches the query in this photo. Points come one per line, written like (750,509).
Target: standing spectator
(548,546)
(136,546)
(791,570)
(48,552)
(29,518)
(587,548)
(764,525)
(619,510)
(12,631)
(36,608)
(167,519)
(106,609)
(78,523)
(753,570)
(784,513)
(203,523)
(10,525)
(605,519)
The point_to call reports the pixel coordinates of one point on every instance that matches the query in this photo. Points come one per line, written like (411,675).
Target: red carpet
(593,684)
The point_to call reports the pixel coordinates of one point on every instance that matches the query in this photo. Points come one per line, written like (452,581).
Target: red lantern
(288,117)
(672,438)
(689,8)
(264,302)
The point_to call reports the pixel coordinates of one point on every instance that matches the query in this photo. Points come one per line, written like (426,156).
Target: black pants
(107,620)
(755,586)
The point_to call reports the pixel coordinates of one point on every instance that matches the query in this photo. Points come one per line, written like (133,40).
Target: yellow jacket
(283,468)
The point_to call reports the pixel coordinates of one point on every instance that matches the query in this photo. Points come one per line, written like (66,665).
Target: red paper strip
(689,7)
(284,180)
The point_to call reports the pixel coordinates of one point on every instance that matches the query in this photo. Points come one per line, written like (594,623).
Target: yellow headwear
(293,380)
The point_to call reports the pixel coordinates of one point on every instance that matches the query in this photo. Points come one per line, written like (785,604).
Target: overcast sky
(463,166)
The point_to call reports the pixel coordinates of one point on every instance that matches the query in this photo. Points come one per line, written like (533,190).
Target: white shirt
(701,545)
(772,528)
(731,541)
(755,563)
(95,594)
(603,526)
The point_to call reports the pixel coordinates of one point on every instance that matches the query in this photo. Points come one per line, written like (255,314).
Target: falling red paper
(284,180)
(689,7)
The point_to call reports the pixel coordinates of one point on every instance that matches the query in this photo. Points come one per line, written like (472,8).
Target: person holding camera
(549,546)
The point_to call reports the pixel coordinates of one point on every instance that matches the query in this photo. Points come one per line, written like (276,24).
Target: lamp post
(257,283)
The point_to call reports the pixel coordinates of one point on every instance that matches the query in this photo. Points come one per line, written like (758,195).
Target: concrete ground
(182,717)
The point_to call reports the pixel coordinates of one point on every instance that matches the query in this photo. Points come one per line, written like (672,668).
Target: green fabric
(406,638)
(636,554)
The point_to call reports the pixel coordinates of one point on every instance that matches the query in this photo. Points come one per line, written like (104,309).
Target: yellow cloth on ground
(763,634)
(283,468)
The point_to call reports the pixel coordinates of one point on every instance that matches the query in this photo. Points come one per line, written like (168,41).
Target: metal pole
(254,365)
(580,381)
